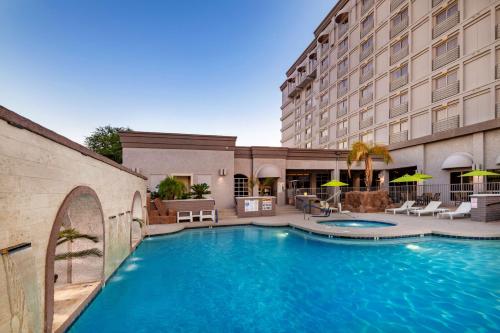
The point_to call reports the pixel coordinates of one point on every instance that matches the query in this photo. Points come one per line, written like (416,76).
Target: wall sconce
(222,172)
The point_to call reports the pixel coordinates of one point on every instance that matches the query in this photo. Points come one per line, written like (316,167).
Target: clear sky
(188,66)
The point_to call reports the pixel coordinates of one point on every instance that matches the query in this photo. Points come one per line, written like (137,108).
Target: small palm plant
(171,188)
(69,236)
(199,190)
(361,151)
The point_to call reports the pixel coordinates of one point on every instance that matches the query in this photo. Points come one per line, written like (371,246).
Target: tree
(106,142)
(171,188)
(199,190)
(361,151)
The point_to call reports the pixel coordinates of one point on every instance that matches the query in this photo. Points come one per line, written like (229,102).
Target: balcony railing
(446,25)
(341,91)
(286,126)
(497,71)
(366,6)
(395,4)
(497,31)
(342,29)
(308,136)
(446,58)
(398,137)
(323,139)
(309,107)
(366,75)
(436,2)
(323,84)
(341,112)
(286,113)
(395,111)
(365,99)
(308,121)
(342,71)
(323,103)
(324,121)
(497,110)
(365,30)
(399,55)
(446,124)
(399,82)
(324,66)
(342,50)
(445,92)
(363,123)
(396,29)
(341,132)
(366,52)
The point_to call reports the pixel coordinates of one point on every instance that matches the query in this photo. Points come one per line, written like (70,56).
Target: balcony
(396,29)
(395,4)
(294,91)
(445,92)
(341,112)
(365,75)
(323,103)
(341,132)
(368,121)
(497,110)
(398,137)
(308,121)
(305,79)
(497,31)
(308,135)
(436,2)
(287,126)
(395,111)
(446,25)
(497,71)
(446,58)
(366,6)
(399,55)
(446,124)
(341,91)
(367,51)
(323,139)
(324,121)
(399,82)
(342,50)
(365,99)
(342,29)
(365,30)
(286,114)
(309,107)
(323,84)
(342,70)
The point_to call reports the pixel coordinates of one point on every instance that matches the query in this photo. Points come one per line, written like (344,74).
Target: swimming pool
(252,279)
(356,223)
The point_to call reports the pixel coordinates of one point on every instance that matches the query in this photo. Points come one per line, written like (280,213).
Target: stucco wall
(201,165)
(36,174)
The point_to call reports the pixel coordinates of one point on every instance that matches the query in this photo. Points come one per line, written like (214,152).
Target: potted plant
(199,190)
(171,189)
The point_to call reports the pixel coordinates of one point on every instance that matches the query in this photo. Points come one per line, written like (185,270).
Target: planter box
(367,202)
(168,213)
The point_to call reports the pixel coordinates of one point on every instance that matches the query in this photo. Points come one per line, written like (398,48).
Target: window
(367,69)
(366,114)
(323,99)
(399,99)
(297,99)
(367,137)
(399,127)
(309,103)
(240,185)
(399,45)
(445,80)
(342,144)
(309,145)
(297,137)
(446,46)
(298,111)
(324,63)
(343,106)
(342,124)
(400,17)
(308,118)
(451,10)
(365,47)
(324,115)
(324,133)
(308,90)
(324,81)
(367,23)
(308,130)
(343,44)
(297,124)
(367,91)
(343,84)
(400,72)
(343,65)
(445,113)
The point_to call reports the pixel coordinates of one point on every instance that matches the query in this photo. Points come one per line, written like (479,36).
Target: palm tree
(361,151)
(199,190)
(171,188)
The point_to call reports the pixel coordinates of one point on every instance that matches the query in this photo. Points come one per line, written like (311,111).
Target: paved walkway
(405,226)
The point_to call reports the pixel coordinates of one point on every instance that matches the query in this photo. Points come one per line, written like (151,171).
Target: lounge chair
(403,209)
(431,208)
(207,215)
(461,211)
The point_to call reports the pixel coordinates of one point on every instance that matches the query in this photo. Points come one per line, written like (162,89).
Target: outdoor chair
(461,211)
(207,215)
(184,216)
(431,208)
(403,209)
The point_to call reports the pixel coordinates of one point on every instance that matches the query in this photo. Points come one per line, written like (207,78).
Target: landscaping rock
(367,202)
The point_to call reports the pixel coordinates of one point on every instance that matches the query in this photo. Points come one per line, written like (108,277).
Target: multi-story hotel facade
(418,75)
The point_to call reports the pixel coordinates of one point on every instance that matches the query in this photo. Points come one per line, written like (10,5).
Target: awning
(458,160)
(268,171)
(342,17)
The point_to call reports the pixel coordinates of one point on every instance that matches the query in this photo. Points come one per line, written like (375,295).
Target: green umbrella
(406,179)
(334,183)
(480,173)
(422,176)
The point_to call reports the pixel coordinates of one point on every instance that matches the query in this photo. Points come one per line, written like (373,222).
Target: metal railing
(366,76)
(445,92)
(342,29)
(365,53)
(399,55)
(446,58)
(396,29)
(341,132)
(497,110)
(398,137)
(446,124)
(366,28)
(366,6)
(436,2)
(368,121)
(341,112)
(399,82)
(395,111)
(396,3)
(497,31)
(446,25)
(365,99)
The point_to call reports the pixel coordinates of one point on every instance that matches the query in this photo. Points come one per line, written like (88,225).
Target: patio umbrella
(334,183)
(408,179)
(422,176)
(480,173)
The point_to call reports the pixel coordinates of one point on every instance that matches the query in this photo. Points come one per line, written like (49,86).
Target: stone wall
(36,175)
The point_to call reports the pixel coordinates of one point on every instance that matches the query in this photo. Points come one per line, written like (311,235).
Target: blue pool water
(250,279)
(357,224)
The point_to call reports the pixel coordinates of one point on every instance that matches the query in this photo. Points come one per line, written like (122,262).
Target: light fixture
(222,172)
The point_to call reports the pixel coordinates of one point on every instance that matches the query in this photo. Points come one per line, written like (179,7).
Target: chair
(403,209)
(431,208)
(184,216)
(207,215)
(461,211)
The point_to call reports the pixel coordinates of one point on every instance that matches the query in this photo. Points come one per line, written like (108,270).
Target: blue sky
(188,66)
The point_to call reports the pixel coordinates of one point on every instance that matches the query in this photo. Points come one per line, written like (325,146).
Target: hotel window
(297,124)
(308,131)
(445,80)
(399,127)
(308,119)
(309,145)
(298,111)
(297,137)
(367,69)
(451,10)
(367,137)
(324,115)
(367,92)
(240,185)
(367,23)
(323,83)
(400,45)
(297,99)
(308,90)
(342,124)
(400,72)
(342,107)
(323,100)
(342,144)
(324,64)
(399,99)
(400,17)
(445,112)
(446,46)
(343,66)
(366,46)
(343,43)
(343,85)
(309,104)
(324,133)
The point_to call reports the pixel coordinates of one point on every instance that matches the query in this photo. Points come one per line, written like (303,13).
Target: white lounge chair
(207,215)
(431,208)
(403,209)
(184,216)
(461,211)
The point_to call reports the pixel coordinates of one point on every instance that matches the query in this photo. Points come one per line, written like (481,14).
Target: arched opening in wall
(74,267)
(241,185)
(137,220)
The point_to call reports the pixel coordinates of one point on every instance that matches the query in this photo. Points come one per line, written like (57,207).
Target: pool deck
(406,226)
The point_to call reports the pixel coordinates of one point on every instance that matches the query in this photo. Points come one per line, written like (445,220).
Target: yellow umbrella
(334,183)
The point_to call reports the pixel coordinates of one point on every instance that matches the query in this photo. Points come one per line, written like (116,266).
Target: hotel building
(418,75)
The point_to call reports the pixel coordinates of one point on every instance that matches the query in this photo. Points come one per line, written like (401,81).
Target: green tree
(361,151)
(106,141)
(171,188)
(199,190)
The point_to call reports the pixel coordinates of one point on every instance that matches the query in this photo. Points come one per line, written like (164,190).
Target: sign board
(473,202)
(267,204)
(251,205)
